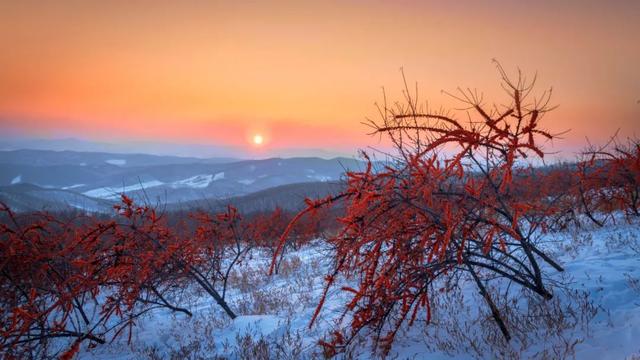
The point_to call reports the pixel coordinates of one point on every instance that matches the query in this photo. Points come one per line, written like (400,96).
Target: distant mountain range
(157,148)
(93,181)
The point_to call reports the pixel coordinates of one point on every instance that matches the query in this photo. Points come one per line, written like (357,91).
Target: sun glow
(258,139)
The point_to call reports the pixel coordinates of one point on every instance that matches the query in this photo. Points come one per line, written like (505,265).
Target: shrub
(456,204)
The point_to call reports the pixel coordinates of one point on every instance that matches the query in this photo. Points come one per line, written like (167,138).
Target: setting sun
(258,139)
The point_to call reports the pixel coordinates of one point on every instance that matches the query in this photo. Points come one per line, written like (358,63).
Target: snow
(114,192)
(605,272)
(321,178)
(83,206)
(117,162)
(247,181)
(317,177)
(218,176)
(16,180)
(601,264)
(195,182)
(73,186)
(263,325)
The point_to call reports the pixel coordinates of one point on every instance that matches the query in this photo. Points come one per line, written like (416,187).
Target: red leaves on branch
(454,201)
(85,279)
(71,353)
(609,180)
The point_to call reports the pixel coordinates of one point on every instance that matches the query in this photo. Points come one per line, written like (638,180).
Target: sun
(258,139)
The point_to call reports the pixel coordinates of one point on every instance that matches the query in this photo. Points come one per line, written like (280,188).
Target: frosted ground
(602,263)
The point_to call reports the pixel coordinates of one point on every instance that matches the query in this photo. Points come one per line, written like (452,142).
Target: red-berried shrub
(64,282)
(609,180)
(266,229)
(82,278)
(45,291)
(456,204)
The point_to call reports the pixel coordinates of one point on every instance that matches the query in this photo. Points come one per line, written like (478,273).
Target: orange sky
(303,74)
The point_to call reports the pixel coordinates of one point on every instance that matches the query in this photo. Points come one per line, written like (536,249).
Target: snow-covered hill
(160,179)
(27,197)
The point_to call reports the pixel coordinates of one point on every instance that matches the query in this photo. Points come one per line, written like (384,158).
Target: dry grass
(540,329)
(284,294)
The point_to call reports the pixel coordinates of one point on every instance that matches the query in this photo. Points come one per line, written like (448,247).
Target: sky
(303,74)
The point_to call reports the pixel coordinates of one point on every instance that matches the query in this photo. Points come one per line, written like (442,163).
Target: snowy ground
(603,263)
